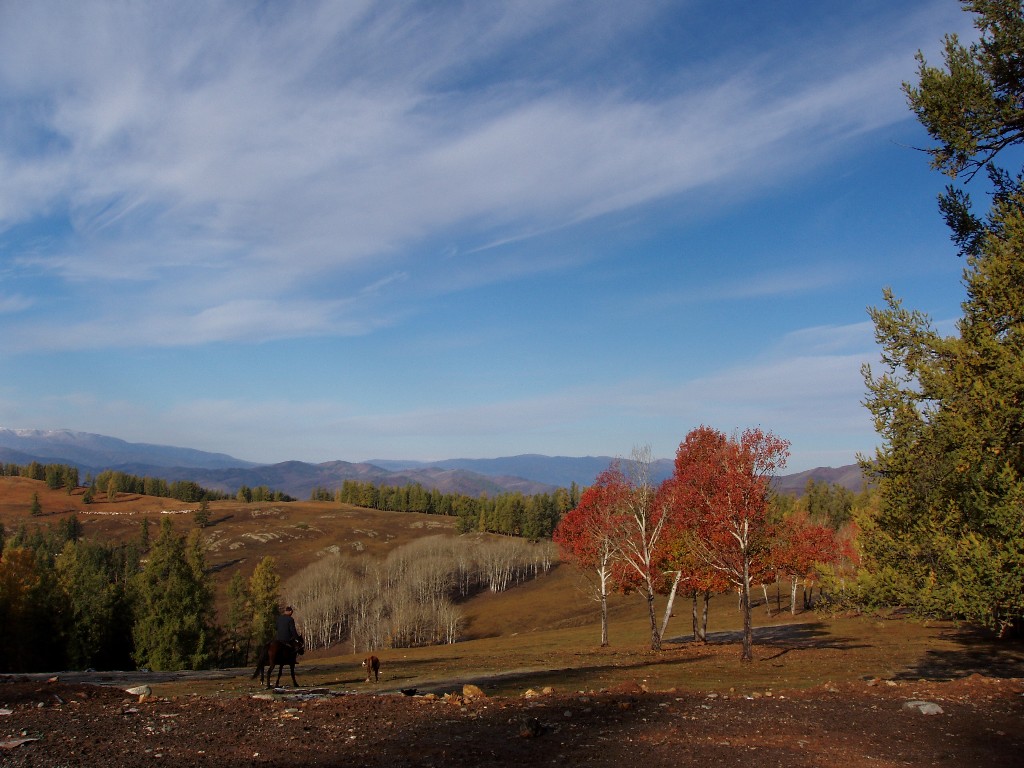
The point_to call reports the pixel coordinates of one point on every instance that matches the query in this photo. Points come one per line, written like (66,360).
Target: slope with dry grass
(545,631)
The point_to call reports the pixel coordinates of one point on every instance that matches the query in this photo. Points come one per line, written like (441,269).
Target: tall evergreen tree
(95,596)
(173,626)
(264,596)
(239,623)
(30,611)
(948,538)
(202,515)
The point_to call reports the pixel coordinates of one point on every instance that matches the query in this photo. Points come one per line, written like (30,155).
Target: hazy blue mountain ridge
(527,473)
(558,471)
(101,451)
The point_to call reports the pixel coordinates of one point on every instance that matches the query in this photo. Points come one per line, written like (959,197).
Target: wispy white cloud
(14,303)
(283,148)
(180,176)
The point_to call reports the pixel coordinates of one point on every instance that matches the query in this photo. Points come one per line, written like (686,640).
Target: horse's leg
(280,669)
(261,663)
(292,668)
(266,664)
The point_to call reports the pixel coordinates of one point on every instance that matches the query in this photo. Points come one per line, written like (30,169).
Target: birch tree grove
(410,598)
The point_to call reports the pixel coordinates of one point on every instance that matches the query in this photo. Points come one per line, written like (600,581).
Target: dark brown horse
(277,654)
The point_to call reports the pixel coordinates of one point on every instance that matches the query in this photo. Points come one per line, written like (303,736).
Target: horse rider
(286,631)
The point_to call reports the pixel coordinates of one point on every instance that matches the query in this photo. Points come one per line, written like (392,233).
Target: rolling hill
(526,473)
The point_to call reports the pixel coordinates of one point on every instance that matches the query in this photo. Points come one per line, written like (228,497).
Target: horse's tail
(261,662)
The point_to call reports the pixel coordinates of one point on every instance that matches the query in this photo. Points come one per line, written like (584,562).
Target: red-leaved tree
(586,535)
(693,578)
(721,488)
(803,547)
(643,524)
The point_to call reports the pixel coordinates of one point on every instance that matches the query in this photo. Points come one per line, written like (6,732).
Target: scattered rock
(530,728)
(924,707)
(12,743)
(139,690)
(470,692)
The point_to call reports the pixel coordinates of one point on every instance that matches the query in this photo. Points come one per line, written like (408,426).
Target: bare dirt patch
(850,724)
(819,692)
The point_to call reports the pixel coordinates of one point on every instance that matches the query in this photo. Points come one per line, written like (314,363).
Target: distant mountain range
(528,473)
(106,452)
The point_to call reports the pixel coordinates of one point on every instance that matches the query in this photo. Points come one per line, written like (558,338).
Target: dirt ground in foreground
(866,723)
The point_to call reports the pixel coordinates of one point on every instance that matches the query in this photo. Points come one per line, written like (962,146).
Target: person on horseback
(286,631)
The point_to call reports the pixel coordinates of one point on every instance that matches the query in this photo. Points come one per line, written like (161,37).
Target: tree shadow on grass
(786,637)
(978,653)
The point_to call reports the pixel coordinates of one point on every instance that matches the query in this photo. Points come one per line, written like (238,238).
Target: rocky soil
(974,721)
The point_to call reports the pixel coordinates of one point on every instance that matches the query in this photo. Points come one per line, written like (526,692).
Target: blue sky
(352,230)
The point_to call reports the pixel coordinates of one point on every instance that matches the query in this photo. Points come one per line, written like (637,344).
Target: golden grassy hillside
(238,535)
(543,632)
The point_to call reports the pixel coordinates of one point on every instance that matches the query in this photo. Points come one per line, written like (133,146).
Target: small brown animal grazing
(372,664)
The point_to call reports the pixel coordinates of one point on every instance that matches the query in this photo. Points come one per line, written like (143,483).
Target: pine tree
(948,538)
(202,515)
(30,612)
(264,596)
(93,596)
(239,624)
(173,628)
